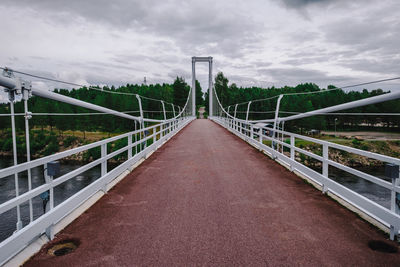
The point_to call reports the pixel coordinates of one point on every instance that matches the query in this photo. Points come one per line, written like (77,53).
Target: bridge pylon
(210,82)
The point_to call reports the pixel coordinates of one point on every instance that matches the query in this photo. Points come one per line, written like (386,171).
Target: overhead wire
(321,91)
(82,113)
(81,85)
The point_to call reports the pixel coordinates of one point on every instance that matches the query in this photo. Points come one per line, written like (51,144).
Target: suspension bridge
(199,192)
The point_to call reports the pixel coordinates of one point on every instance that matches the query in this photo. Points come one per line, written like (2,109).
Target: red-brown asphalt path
(207,198)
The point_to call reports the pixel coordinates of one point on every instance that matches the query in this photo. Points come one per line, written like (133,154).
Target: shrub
(120,144)
(51,138)
(7,145)
(93,153)
(69,140)
(355,142)
(51,148)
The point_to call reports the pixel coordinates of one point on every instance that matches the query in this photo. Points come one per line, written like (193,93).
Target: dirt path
(201,112)
(367,135)
(209,199)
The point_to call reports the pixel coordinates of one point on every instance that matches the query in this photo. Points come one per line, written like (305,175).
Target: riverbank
(46,142)
(388,148)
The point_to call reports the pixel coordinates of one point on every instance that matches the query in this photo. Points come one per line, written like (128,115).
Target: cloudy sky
(255,43)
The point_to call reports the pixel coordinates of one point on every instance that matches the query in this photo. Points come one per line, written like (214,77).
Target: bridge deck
(208,198)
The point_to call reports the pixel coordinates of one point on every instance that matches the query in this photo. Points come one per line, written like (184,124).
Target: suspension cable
(81,85)
(322,91)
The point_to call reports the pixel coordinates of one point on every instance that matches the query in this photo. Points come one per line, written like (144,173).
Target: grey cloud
(174,30)
(179,72)
(306,60)
(260,63)
(193,25)
(302,3)
(118,12)
(374,44)
(293,76)
(384,66)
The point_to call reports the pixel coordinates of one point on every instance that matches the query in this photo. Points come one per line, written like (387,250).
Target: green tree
(199,95)
(221,88)
(181,91)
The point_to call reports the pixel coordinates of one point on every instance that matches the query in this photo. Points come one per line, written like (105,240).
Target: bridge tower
(210,83)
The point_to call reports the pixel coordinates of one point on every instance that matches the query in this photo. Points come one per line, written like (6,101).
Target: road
(206,198)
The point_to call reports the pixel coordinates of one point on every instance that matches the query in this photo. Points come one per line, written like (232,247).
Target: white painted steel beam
(193,86)
(353,104)
(9,83)
(76,102)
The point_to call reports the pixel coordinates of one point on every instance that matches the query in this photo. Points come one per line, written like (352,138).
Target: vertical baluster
(130,146)
(104,161)
(325,165)
(28,150)
(16,179)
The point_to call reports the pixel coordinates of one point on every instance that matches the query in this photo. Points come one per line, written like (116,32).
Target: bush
(69,140)
(355,142)
(120,143)
(7,145)
(51,148)
(51,138)
(93,153)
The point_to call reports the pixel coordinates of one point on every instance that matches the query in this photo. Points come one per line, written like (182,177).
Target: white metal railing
(388,217)
(136,149)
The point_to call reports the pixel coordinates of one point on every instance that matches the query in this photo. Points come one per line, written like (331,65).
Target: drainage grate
(382,246)
(63,247)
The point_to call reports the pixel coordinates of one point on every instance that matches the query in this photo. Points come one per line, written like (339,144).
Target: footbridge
(217,191)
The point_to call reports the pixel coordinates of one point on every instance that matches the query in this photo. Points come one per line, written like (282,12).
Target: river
(61,192)
(68,188)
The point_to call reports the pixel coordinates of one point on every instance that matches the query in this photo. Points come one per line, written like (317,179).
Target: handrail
(45,223)
(388,217)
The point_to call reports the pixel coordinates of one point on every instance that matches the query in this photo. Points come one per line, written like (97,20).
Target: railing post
(282,135)
(251,131)
(135,138)
(163,108)
(14,141)
(325,165)
(292,151)
(104,161)
(173,109)
(392,171)
(276,118)
(234,115)
(26,94)
(141,123)
(49,180)
(248,110)
(129,145)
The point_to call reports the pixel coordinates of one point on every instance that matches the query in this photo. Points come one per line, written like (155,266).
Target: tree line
(231,94)
(177,92)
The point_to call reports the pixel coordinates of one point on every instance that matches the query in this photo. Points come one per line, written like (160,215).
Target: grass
(388,148)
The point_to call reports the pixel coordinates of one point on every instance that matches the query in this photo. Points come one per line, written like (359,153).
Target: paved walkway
(207,198)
